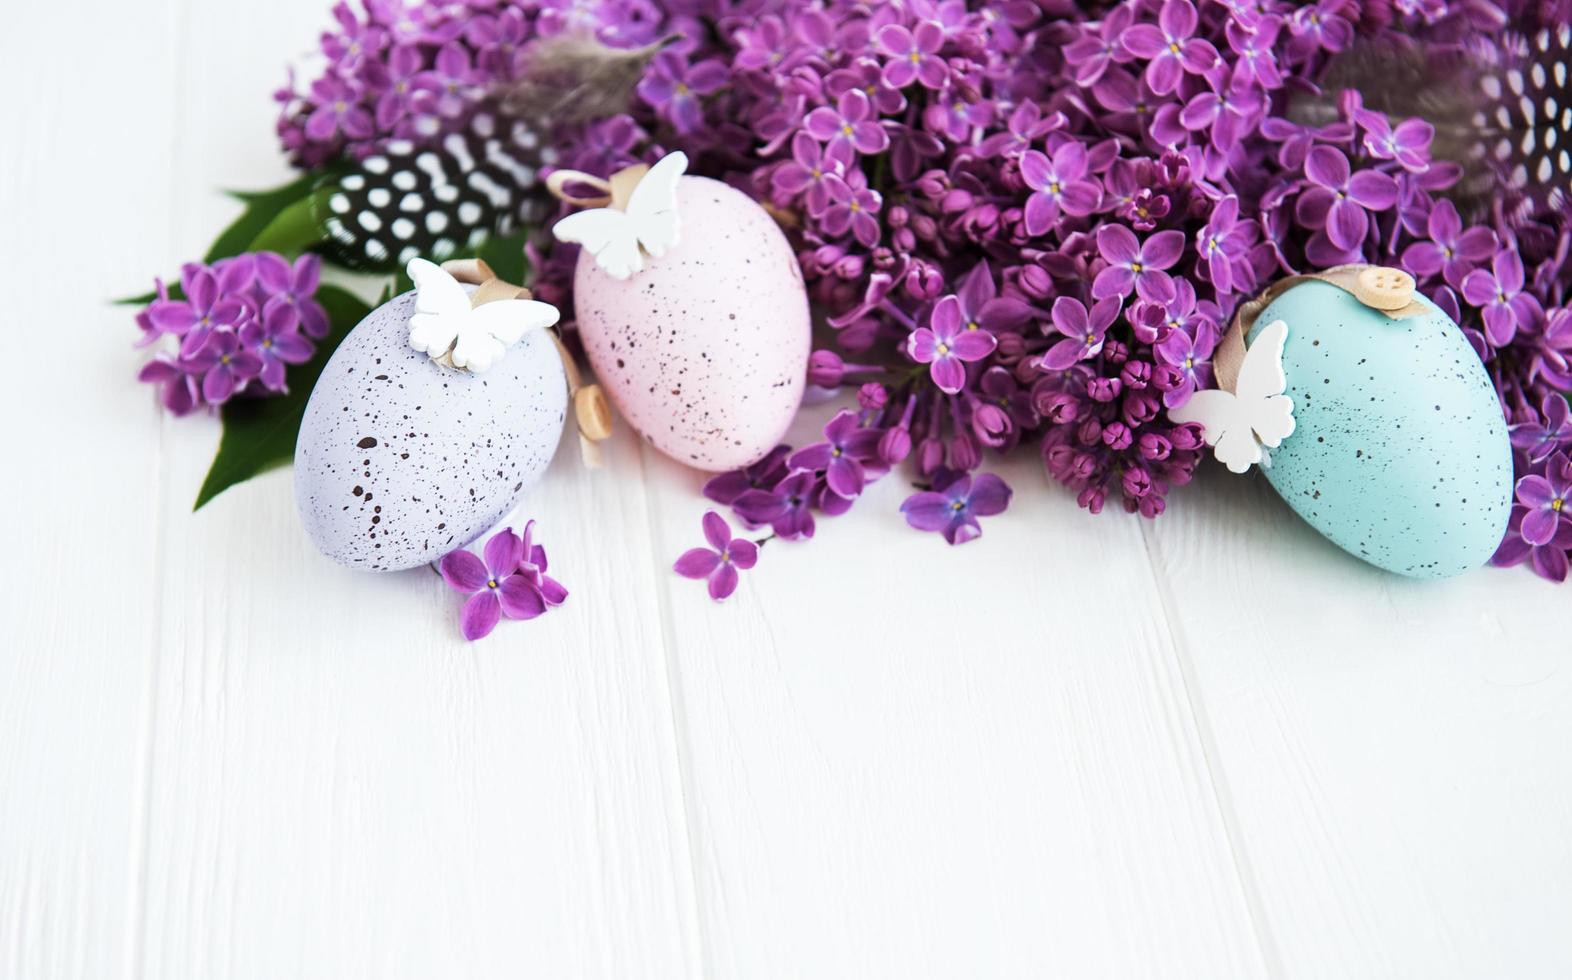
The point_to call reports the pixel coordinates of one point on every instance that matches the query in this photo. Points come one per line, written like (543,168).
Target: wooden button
(592,412)
(1383,288)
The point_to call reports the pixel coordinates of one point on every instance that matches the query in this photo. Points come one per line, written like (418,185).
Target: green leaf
(259,433)
(295,228)
(505,255)
(263,208)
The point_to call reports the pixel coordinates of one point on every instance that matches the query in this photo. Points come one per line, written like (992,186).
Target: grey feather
(575,78)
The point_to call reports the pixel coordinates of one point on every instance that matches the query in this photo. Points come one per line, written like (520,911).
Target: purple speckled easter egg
(401,460)
(704,351)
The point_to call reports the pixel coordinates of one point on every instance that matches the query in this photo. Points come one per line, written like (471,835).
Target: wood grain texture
(1210,746)
(82,475)
(935,765)
(1390,753)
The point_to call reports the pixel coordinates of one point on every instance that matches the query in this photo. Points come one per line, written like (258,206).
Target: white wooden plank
(82,471)
(341,787)
(910,760)
(1392,753)
(338,785)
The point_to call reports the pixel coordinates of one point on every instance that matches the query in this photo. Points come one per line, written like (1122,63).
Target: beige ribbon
(1387,291)
(591,413)
(614,193)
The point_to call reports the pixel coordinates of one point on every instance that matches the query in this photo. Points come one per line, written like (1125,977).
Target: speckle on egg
(705,351)
(444,453)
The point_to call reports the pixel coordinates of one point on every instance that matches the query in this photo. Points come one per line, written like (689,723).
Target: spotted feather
(434,201)
(1528,114)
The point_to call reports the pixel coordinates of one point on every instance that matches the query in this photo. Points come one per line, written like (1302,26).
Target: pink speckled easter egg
(705,351)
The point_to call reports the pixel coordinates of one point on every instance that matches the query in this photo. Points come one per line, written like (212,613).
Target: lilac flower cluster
(1028,222)
(784,489)
(508,579)
(235,328)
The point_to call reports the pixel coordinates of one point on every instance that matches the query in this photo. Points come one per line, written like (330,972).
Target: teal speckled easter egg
(1399,453)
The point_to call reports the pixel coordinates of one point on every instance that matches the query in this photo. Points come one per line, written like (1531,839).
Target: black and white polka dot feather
(1527,115)
(436,201)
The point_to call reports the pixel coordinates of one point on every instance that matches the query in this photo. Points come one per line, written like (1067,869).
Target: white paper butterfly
(478,336)
(1255,414)
(615,237)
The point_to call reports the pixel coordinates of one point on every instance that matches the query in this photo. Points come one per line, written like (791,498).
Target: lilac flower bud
(1058,459)
(1140,407)
(1058,407)
(872,396)
(1083,465)
(1151,505)
(1089,432)
(1115,351)
(1010,347)
(1012,227)
(955,201)
(825,256)
(1137,482)
(991,425)
(903,239)
(981,222)
(1092,499)
(883,258)
(933,184)
(1116,436)
(1166,377)
(825,368)
(850,267)
(1035,282)
(1148,321)
(897,216)
(965,454)
(1186,437)
(1153,446)
(924,227)
(895,445)
(923,281)
(1135,374)
(930,456)
(1173,170)
(1103,389)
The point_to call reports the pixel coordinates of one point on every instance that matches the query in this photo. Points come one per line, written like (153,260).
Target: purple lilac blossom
(719,563)
(508,579)
(953,506)
(948,344)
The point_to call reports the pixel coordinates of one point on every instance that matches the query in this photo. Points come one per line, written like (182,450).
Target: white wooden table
(1210,746)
